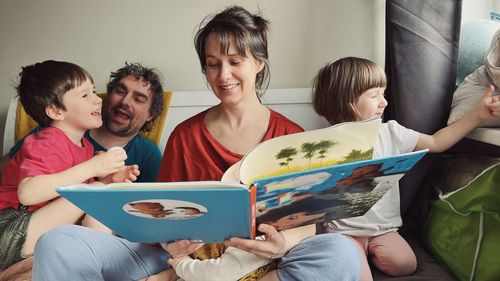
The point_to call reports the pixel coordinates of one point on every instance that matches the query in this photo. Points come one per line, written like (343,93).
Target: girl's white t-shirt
(384,216)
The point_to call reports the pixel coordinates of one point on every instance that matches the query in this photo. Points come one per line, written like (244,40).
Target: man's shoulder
(142,141)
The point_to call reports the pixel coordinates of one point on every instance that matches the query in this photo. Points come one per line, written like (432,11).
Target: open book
(288,181)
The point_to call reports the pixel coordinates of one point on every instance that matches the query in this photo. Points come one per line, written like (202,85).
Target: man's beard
(121,129)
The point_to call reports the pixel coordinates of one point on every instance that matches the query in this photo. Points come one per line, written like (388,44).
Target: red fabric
(49,151)
(193,154)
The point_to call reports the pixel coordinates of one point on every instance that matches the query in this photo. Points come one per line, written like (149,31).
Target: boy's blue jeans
(78,253)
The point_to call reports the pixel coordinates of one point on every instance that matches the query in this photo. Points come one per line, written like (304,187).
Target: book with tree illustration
(288,181)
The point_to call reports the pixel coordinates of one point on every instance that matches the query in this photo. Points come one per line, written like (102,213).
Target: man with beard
(133,102)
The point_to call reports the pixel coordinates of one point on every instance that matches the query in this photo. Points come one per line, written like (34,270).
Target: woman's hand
(274,245)
(181,248)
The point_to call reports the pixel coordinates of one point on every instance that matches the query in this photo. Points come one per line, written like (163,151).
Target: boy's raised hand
(106,163)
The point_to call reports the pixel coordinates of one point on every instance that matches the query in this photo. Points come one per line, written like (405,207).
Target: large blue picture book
(287,182)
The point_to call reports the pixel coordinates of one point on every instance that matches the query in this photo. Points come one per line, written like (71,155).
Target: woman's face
(231,76)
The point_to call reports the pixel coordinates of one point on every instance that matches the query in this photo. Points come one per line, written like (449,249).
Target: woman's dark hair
(44,84)
(249,33)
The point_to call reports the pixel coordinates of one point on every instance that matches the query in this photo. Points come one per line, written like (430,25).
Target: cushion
(463,225)
(471,90)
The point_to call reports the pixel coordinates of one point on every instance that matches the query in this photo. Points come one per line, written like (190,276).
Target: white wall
(478,9)
(101,35)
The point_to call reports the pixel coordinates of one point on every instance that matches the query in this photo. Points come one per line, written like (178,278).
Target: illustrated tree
(323,146)
(286,154)
(309,149)
(356,155)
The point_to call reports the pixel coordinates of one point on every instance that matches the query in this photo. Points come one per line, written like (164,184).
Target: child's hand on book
(181,248)
(273,246)
(126,174)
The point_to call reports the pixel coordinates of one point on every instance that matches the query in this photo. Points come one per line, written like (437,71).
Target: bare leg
(89,221)
(362,245)
(56,213)
(20,271)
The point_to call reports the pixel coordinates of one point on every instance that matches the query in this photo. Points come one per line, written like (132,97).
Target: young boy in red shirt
(60,97)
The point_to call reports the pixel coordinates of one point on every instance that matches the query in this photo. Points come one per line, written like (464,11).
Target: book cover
(208,211)
(288,181)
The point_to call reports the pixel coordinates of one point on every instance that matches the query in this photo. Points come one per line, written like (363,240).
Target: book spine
(253,210)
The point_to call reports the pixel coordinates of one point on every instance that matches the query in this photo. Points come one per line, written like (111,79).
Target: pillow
(471,90)
(462,228)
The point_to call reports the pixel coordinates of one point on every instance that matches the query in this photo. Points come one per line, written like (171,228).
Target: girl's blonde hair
(338,85)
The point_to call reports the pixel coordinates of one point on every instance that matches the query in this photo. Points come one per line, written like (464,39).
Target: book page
(342,143)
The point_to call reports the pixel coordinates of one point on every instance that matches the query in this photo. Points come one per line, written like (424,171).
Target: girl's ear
(55,113)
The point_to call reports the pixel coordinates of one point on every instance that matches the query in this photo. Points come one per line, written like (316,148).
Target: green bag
(463,227)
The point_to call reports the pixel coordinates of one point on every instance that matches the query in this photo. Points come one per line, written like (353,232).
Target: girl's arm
(487,108)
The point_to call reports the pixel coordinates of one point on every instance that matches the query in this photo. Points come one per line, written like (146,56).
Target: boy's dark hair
(248,31)
(149,75)
(44,84)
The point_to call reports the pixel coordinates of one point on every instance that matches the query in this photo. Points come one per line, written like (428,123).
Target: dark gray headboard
(421,63)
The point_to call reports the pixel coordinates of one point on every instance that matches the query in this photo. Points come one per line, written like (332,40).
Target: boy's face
(83,107)
(371,104)
(128,106)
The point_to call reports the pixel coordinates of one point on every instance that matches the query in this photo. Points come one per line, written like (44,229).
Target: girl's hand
(105,163)
(181,248)
(489,106)
(273,246)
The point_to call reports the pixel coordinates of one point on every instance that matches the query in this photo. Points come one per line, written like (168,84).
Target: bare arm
(487,108)
(37,189)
